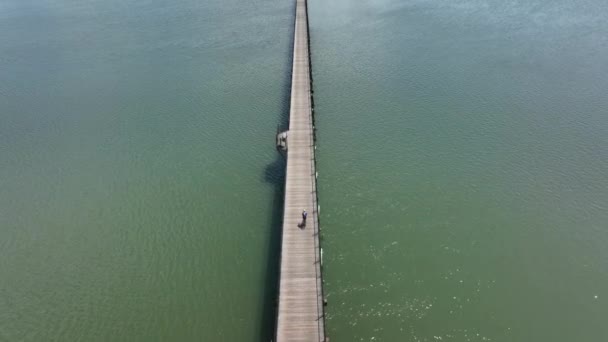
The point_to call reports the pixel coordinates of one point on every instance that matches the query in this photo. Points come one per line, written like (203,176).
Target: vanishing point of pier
(300,315)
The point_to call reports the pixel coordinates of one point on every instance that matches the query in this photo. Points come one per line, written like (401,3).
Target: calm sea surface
(463,168)
(462,156)
(138,176)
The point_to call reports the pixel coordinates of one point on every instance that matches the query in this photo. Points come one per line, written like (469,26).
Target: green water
(139,185)
(462,157)
(463,168)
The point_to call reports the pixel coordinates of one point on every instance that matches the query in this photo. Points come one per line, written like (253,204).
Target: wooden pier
(300,311)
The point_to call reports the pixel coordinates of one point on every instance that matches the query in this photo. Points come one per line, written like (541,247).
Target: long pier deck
(300,312)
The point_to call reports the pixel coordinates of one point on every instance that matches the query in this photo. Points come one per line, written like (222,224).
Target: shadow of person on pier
(302,224)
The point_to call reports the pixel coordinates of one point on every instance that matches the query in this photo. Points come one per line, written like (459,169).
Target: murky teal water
(463,168)
(462,157)
(138,175)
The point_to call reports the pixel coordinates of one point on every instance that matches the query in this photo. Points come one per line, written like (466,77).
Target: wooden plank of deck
(300,313)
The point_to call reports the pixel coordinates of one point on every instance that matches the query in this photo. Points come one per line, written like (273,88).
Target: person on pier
(303,224)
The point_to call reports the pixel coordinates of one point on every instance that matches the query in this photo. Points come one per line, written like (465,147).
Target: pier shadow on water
(274,174)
